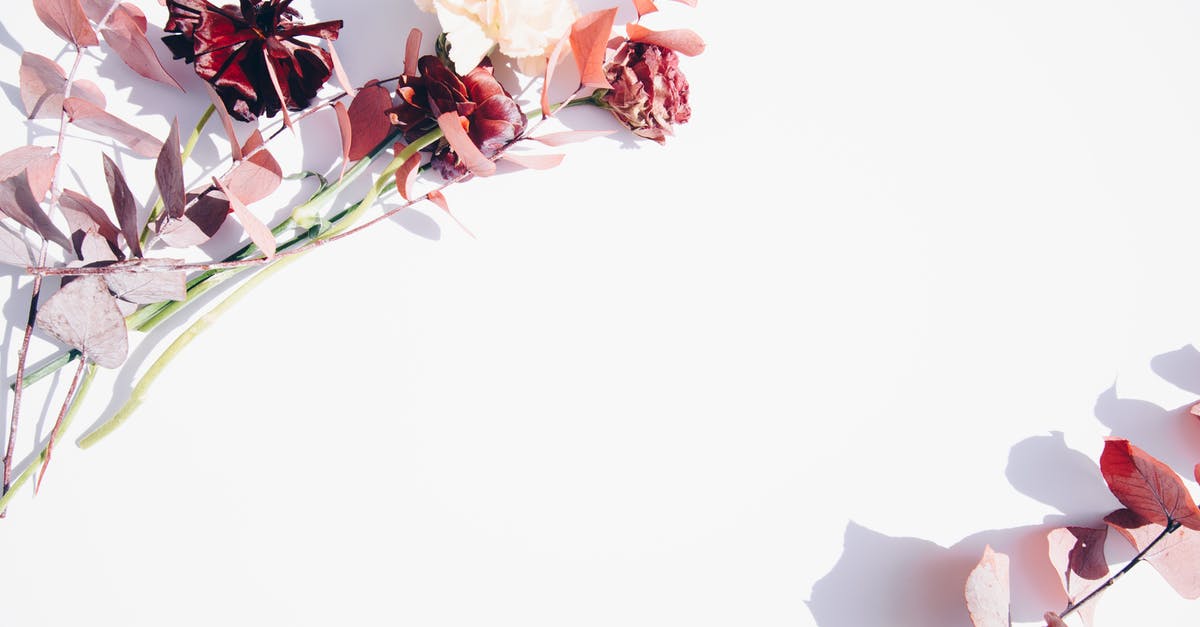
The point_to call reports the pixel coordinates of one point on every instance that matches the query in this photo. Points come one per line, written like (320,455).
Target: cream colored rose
(525,30)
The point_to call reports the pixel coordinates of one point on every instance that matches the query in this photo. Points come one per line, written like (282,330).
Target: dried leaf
(92,247)
(145,288)
(87,115)
(125,33)
(14,249)
(1077,553)
(339,70)
(1174,557)
(168,173)
(407,174)
(258,232)
(569,137)
(551,64)
(1053,620)
(206,213)
(43,83)
(235,147)
(1146,485)
(987,591)
(534,162)
(124,206)
(85,216)
(84,315)
(39,164)
(369,122)
(681,40)
(258,176)
(67,20)
(412,52)
(347,132)
(436,197)
(461,143)
(589,40)
(18,203)
(644,7)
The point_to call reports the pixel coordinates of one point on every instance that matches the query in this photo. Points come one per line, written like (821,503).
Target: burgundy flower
(231,45)
(650,93)
(492,117)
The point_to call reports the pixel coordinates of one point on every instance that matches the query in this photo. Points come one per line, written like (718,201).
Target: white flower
(525,30)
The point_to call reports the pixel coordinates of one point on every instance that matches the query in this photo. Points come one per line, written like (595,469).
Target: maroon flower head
(650,93)
(492,117)
(232,45)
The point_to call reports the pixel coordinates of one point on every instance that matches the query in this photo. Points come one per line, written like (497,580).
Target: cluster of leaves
(1160,520)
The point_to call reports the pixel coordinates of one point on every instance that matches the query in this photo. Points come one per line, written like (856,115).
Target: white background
(876,307)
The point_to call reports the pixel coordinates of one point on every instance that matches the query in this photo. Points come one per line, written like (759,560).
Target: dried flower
(492,117)
(230,47)
(650,93)
(525,30)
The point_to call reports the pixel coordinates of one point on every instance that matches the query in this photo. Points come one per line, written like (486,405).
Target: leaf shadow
(418,223)
(1170,434)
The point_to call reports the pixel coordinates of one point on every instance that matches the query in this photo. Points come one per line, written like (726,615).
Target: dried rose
(230,47)
(649,92)
(492,117)
(525,30)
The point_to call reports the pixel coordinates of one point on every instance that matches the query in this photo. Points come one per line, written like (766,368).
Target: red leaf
(346,129)
(589,41)
(1077,553)
(39,164)
(235,146)
(569,137)
(124,206)
(85,316)
(412,52)
(552,63)
(534,162)
(681,40)
(168,173)
(436,197)
(407,174)
(84,215)
(987,591)
(369,121)
(644,7)
(258,176)
(461,143)
(88,116)
(1174,557)
(43,83)
(125,33)
(1146,485)
(258,232)
(67,20)
(18,203)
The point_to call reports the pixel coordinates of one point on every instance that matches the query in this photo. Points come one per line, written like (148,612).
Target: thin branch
(1171,527)
(58,424)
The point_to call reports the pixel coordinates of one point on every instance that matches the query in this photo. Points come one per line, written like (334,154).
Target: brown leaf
(569,137)
(258,232)
(18,203)
(14,249)
(257,176)
(1077,553)
(460,142)
(1174,557)
(125,33)
(681,40)
(84,316)
(39,164)
(85,216)
(369,121)
(987,591)
(168,173)
(87,115)
(534,162)
(67,20)
(589,41)
(1146,485)
(407,173)
(124,206)
(145,288)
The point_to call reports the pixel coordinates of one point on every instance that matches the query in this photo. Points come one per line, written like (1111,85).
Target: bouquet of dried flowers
(101,266)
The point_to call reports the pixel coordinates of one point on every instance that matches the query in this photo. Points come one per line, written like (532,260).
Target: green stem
(84,385)
(192,332)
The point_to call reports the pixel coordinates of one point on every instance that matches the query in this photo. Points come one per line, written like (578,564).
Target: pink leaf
(569,137)
(124,206)
(589,41)
(125,33)
(67,20)
(1077,553)
(347,131)
(287,118)
(338,70)
(436,197)
(258,176)
(369,121)
(681,40)
(461,143)
(205,214)
(18,203)
(38,162)
(644,7)
(1174,557)
(987,591)
(14,249)
(85,316)
(1146,485)
(407,174)
(552,63)
(92,247)
(412,52)
(43,83)
(235,147)
(83,215)
(1053,620)
(534,162)
(168,173)
(88,116)
(145,288)
(258,232)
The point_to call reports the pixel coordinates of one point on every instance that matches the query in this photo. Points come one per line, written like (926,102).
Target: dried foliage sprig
(259,58)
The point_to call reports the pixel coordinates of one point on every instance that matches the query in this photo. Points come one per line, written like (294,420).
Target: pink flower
(650,93)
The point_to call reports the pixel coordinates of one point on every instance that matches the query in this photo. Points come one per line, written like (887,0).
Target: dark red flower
(650,93)
(230,47)
(492,116)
